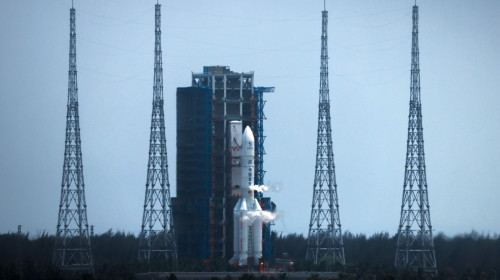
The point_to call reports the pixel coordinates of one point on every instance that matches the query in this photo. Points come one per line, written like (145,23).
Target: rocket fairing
(247,213)
(247,160)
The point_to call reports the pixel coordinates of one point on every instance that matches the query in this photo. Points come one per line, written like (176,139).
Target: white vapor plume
(265,216)
(275,186)
(261,188)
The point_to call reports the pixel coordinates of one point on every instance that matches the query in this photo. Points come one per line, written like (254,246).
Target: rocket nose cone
(248,134)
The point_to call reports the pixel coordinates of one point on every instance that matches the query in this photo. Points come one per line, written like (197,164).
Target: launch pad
(237,275)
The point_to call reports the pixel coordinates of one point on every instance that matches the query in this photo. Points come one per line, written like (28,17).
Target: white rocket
(247,236)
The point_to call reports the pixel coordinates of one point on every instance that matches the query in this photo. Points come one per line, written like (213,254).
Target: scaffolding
(234,99)
(266,203)
(259,93)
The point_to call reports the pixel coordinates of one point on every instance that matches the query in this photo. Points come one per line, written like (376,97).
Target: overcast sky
(369,49)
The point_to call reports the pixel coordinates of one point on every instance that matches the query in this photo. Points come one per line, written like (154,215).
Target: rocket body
(247,219)
(235,134)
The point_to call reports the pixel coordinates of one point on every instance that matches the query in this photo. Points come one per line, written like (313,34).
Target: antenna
(71,4)
(324,5)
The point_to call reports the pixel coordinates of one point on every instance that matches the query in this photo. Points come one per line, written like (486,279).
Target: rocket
(247,218)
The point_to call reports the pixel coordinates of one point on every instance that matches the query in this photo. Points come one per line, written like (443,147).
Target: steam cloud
(261,188)
(275,186)
(265,216)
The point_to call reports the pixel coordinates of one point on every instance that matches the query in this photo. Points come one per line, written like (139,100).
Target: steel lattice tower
(259,161)
(415,247)
(157,239)
(260,172)
(324,241)
(72,245)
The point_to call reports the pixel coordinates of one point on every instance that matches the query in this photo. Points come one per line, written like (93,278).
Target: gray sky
(369,48)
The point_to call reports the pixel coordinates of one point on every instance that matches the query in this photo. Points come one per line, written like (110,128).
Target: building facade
(191,206)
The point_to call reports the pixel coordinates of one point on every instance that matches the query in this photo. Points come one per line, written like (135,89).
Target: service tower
(216,97)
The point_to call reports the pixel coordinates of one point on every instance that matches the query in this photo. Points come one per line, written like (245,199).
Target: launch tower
(233,99)
(72,245)
(324,241)
(157,238)
(265,202)
(415,247)
(216,97)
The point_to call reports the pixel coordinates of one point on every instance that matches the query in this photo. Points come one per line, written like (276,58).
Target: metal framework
(259,162)
(266,203)
(157,238)
(415,247)
(72,249)
(324,241)
(233,99)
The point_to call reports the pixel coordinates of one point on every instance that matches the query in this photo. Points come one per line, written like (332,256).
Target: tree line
(465,256)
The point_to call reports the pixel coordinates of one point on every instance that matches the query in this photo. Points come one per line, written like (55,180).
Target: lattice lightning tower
(72,245)
(324,241)
(157,239)
(415,247)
